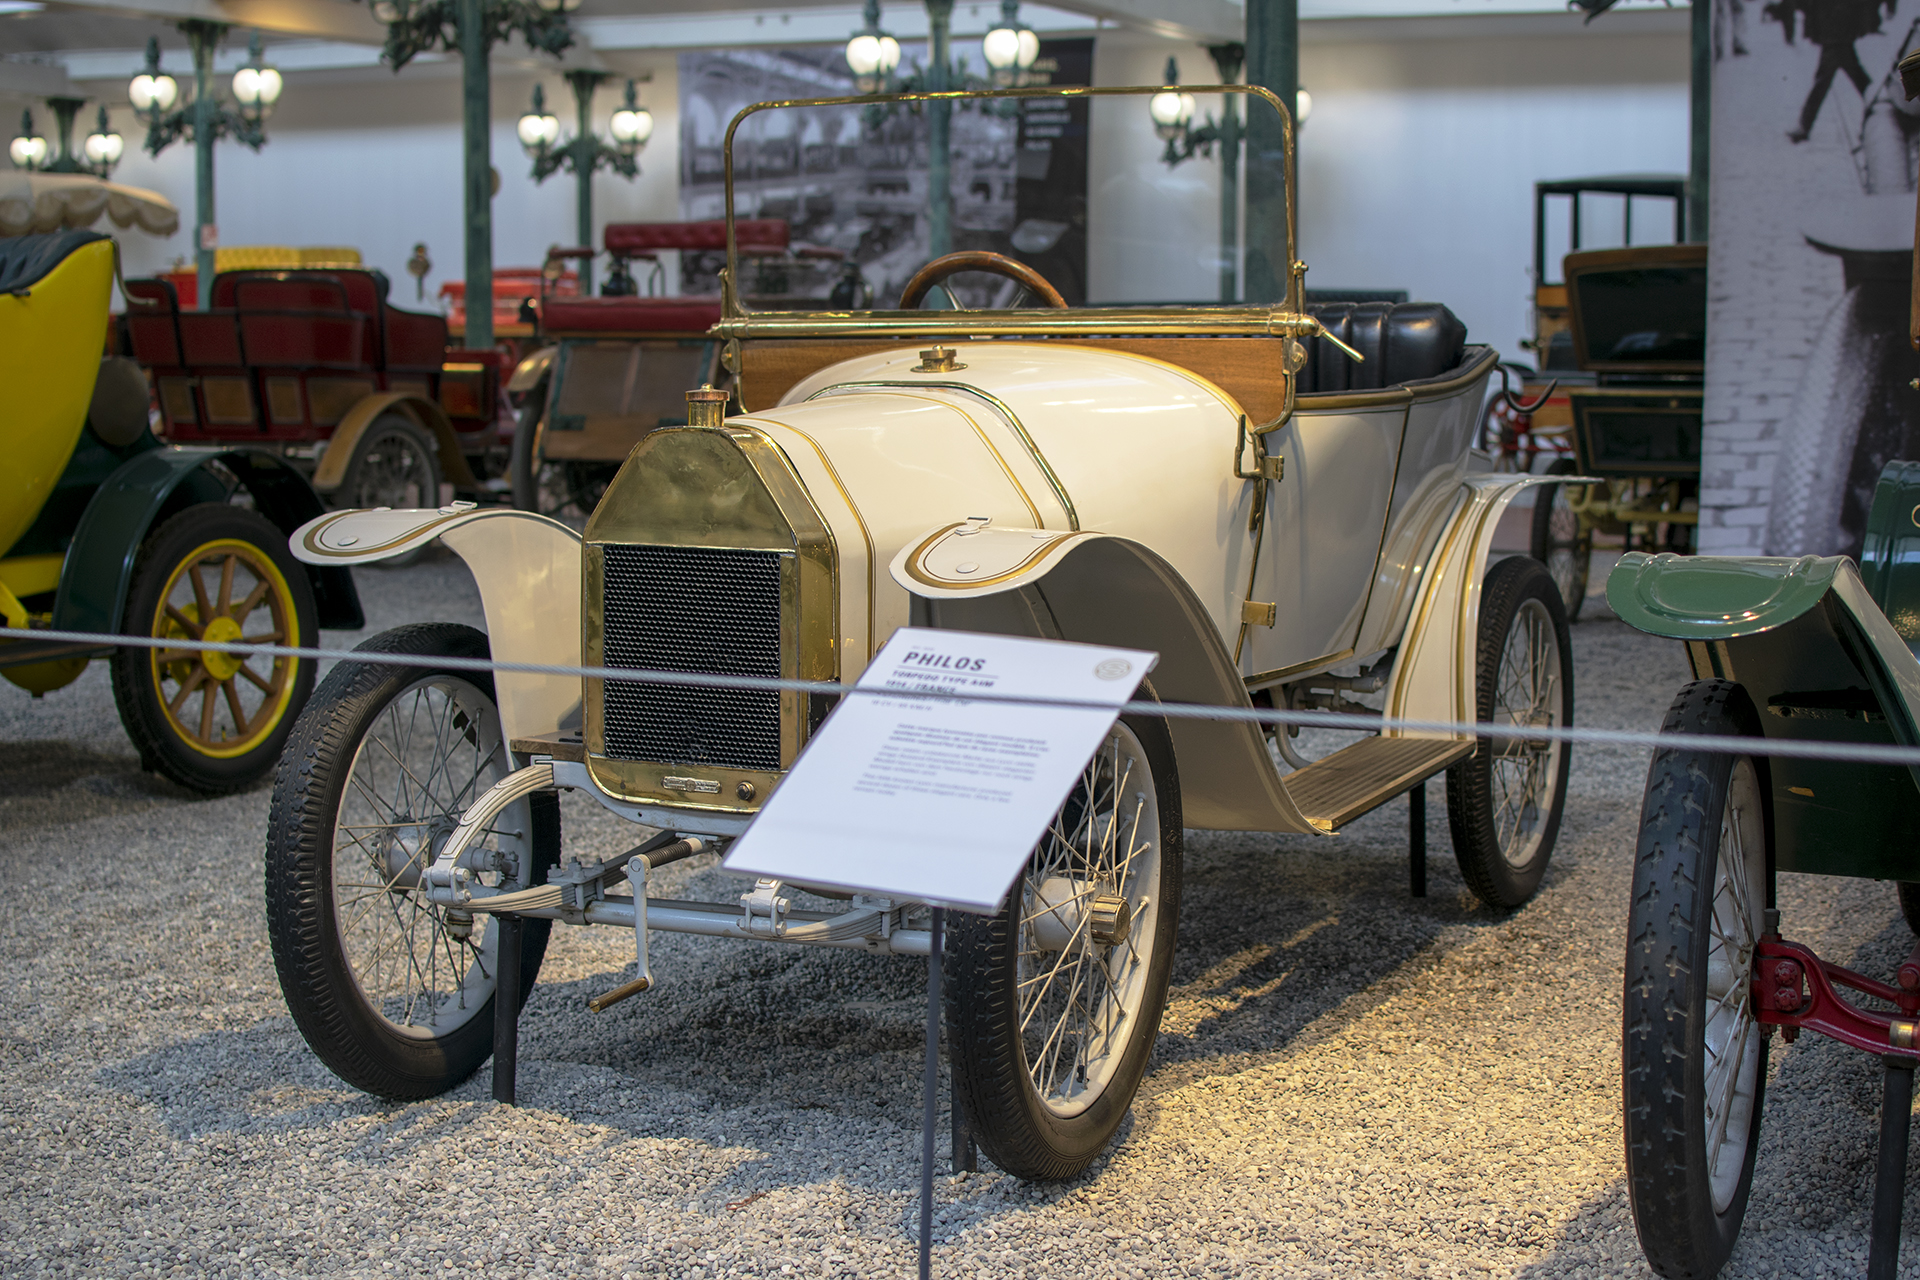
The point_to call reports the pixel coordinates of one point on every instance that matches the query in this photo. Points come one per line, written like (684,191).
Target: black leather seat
(1402,342)
(27,260)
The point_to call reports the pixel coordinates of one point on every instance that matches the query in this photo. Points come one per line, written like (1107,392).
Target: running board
(1360,778)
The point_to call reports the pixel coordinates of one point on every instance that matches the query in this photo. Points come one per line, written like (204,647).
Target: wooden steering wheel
(998,264)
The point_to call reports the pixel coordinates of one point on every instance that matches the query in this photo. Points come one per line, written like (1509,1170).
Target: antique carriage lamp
(1011,48)
(872,54)
(28,149)
(103,146)
(153,92)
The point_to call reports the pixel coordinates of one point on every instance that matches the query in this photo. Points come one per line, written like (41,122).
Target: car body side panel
(1104,422)
(1323,527)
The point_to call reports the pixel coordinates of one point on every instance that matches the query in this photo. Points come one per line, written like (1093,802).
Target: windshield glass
(1114,197)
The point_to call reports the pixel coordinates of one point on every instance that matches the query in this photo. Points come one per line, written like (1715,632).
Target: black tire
(394,465)
(522,466)
(215,572)
(1559,541)
(1910,904)
(1705,850)
(375,1032)
(1504,801)
(1053,1126)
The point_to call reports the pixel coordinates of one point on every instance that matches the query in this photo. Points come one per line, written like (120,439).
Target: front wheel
(394,992)
(1693,1055)
(1055,1002)
(1561,540)
(1504,800)
(214,722)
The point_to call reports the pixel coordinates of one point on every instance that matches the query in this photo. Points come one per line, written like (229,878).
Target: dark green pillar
(1273,63)
(939,131)
(477,125)
(1702,123)
(203,38)
(585,146)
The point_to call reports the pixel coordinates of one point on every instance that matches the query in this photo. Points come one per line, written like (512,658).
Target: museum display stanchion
(930,1094)
(506,1008)
(1417,840)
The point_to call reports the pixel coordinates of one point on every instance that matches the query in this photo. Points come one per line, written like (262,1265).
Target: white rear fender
(1435,676)
(527,568)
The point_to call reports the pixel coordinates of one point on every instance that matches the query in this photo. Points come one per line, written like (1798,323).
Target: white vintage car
(1284,524)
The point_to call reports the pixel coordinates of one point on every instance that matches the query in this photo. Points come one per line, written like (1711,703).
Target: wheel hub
(1109,919)
(1065,906)
(222,630)
(407,849)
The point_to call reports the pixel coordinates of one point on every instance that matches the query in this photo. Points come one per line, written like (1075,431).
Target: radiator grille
(692,609)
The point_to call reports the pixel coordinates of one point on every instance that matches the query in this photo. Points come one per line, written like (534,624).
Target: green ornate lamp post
(539,132)
(471,28)
(202,118)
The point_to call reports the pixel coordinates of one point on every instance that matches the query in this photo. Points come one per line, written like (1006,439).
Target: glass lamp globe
(1303,107)
(537,131)
(1001,48)
(150,92)
(559,6)
(631,127)
(103,146)
(257,88)
(1171,112)
(28,152)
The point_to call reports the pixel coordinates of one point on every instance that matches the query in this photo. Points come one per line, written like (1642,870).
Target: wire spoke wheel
(1505,800)
(430,752)
(1694,1055)
(393,466)
(210,720)
(394,991)
(1055,1002)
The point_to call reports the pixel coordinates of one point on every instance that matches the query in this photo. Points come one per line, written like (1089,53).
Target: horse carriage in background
(103,529)
(1282,502)
(1638,331)
(316,366)
(614,367)
(1804,650)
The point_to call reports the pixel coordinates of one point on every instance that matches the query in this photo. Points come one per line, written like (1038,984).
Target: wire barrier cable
(1853,752)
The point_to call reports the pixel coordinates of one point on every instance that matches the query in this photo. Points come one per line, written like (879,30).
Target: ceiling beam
(325,19)
(1203,21)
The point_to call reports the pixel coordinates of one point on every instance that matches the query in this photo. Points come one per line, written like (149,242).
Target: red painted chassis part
(1793,988)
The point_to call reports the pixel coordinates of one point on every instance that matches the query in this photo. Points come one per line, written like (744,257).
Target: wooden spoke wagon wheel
(209,720)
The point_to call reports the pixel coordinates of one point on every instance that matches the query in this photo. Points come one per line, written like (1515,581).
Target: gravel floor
(1348,1082)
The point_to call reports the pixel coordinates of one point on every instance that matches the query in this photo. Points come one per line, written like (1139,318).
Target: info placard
(941,799)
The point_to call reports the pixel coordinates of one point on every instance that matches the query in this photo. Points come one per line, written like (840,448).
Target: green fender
(145,490)
(1811,647)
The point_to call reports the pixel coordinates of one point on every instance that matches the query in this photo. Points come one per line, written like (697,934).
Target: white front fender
(527,568)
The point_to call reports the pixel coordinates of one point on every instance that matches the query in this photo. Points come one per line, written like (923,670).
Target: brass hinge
(1256,614)
(1273,468)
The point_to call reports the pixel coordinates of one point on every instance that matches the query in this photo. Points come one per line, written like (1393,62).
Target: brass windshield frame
(1289,319)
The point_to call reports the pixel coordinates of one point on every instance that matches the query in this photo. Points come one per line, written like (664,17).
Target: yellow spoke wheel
(214,721)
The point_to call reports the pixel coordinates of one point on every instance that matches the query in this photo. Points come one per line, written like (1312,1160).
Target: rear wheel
(394,465)
(214,722)
(393,992)
(1504,800)
(1693,1055)
(1054,1004)
(1560,541)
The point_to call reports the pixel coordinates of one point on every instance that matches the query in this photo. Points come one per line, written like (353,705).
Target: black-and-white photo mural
(1812,222)
(851,182)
